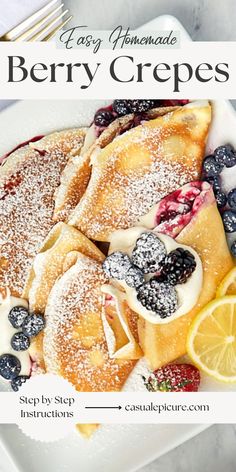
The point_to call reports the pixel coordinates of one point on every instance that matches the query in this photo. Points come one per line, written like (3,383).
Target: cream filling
(130,349)
(7,331)
(187,293)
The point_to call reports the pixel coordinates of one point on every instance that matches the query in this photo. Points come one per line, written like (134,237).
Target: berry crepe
(189,215)
(139,167)
(29,178)
(175,272)
(74,344)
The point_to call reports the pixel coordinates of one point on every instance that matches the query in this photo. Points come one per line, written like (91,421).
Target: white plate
(121,447)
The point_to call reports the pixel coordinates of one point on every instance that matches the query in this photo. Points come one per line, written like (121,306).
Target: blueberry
(33,324)
(17,315)
(103,118)
(233,248)
(221,199)
(134,277)
(10,366)
(116,265)
(18,381)
(121,107)
(211,168)
(232,198)
(229,220)
(224,155)
(20,342)
(214,182)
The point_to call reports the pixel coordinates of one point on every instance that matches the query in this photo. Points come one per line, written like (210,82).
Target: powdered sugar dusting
(138,169)
(74,340)
(27,184)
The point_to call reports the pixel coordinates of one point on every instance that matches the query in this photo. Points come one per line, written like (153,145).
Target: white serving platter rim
(102,452)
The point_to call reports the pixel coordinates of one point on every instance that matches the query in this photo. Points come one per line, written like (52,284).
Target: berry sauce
(15,181)
(176,210)
(32,140)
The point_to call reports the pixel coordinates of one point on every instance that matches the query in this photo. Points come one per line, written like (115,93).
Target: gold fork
(41,26)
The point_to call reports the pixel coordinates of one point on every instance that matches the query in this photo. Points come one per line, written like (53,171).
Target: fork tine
(53,32)
(26,35)
(14,32)
(47,28)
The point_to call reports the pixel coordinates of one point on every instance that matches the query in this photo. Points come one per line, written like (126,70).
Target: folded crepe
(189,215)
(73,182)
(74,344)
(57,254)
(75,177)
(66,282)
(139,167)
(29,177)
(49,263)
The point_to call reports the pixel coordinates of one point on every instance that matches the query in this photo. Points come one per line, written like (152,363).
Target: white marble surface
(214,449)
(211,451)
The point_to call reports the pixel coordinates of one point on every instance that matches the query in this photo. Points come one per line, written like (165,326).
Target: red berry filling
(175,211)
(32,140)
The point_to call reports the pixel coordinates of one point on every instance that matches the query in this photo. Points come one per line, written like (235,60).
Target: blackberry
(103,118)
(211,168)
(121,107)
(221,199)
(33,324)
(116,265)
(229,220)
(178,266)
(20,342)
(18,381)
(10,366)
(148,253)
(124,107)
(225,155)
(141,106)
(158,297)
(17,315)
(134,277)
(232,199)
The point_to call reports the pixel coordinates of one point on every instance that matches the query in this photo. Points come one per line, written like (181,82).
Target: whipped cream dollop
(7,331)
(187,293)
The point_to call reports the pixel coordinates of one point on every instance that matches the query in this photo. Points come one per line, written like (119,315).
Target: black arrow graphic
(110,407)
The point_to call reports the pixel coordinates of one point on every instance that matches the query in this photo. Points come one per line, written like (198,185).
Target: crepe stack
(139,167)
(28,180)
(63,198)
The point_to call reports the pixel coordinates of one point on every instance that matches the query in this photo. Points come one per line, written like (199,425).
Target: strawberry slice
(174,378)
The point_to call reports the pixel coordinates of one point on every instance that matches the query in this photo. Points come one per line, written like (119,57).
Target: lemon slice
(211,342)
(228,284)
